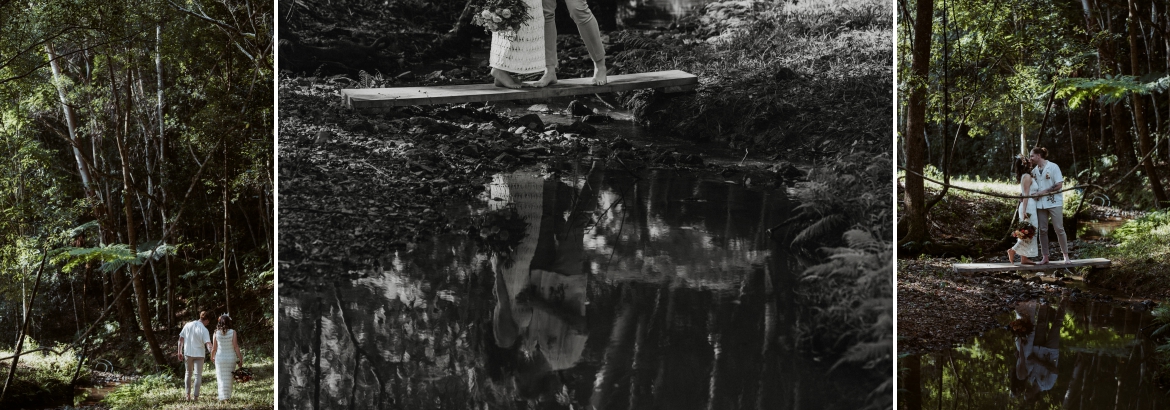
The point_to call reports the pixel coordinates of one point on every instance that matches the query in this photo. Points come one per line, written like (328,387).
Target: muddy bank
(939,309)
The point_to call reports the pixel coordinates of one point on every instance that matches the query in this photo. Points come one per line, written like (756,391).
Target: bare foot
(1043,261)
(599,72)
(503,79)
(549,78)
(1025,261)
(1065,258)
(1012,256)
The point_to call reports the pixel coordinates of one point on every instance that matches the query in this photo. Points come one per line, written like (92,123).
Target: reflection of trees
(1103,364)
(677,318)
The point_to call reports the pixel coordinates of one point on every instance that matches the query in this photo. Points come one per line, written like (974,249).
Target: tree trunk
(24,326)
(915,138)
(131,231)
(1125,156)
(227,298)
(1139,114)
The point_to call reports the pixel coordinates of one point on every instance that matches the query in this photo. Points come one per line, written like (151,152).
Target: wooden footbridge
(1052,265)
(380,99)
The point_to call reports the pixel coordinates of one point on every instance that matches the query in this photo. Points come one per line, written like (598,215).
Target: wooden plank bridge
(379,99)
(1052,265)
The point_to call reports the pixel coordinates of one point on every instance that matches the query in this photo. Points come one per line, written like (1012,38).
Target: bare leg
(591,36)
(549,8)
(504,79)
(1012,256)
(549,77)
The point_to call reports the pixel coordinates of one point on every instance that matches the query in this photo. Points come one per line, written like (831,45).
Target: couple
(192,341)
(534,46)
(1040,183)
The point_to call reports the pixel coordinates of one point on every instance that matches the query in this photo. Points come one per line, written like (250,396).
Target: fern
(820,229)
(112,257)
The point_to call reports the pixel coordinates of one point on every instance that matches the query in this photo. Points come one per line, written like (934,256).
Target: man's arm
(180,347)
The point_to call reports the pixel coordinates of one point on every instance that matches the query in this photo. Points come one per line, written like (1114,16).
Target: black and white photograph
(585,204)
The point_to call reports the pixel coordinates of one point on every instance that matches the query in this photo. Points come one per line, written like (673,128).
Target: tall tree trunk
(915,138)
(227,298)
(131,230)
(1139,114)
(1105,62)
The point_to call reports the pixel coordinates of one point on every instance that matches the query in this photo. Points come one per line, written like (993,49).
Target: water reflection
(624,291)
(1062,355)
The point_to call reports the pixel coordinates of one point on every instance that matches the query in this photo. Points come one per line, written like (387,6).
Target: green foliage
(1142,238)
(112,257)
(1109,89)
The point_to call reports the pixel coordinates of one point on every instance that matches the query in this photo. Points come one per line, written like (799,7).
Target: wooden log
(381,99)
(1053,265)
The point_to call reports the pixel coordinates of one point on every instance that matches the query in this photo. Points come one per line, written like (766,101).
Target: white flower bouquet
(501,16)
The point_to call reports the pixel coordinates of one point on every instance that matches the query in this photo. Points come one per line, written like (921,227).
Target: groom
(1049,182)
(590,34)
(193,340)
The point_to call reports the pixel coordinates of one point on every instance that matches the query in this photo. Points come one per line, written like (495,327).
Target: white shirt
(194,336)
(1045,178)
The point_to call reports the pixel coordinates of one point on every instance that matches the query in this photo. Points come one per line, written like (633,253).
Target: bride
(225,352)
(521,52)
(1026,212)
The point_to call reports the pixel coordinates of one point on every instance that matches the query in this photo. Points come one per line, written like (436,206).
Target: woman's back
(224,339)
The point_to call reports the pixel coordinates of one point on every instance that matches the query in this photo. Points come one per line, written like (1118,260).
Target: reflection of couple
(540,296)
(1037,339)
(1041,183)
(533,47)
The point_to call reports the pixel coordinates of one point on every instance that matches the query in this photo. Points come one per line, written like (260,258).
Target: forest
(983,83)
(136,190)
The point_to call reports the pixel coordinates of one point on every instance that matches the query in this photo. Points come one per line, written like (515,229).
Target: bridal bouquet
(1024,230)
(501,16)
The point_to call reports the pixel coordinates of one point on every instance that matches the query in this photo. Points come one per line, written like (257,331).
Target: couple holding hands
(225,352)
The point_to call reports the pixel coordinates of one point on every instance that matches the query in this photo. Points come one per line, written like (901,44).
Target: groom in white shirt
(193,342)
(1049,182)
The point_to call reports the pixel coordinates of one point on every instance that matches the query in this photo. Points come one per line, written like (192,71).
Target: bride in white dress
(1026,248)
(225,352)
(521,52)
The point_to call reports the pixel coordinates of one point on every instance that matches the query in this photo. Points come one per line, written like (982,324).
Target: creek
(657,288)
(1077,354)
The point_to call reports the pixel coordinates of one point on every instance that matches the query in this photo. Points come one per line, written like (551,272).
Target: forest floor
(938,309)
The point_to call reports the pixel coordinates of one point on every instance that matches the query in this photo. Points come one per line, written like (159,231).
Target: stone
(578,108)
(531,121)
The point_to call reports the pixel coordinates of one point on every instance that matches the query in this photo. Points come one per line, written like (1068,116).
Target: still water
(655,289)
(1076,355)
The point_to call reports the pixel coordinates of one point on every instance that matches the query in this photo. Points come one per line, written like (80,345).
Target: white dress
(1027,212)
(225,362)
(523,52)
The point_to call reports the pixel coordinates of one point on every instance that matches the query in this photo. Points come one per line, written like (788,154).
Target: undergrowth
(810,78)
(40,374)
(852,290)
(165,390)
(1162,318)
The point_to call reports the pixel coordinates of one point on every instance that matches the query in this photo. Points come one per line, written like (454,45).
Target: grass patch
(1140,251)
(165,391)
(41,377)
